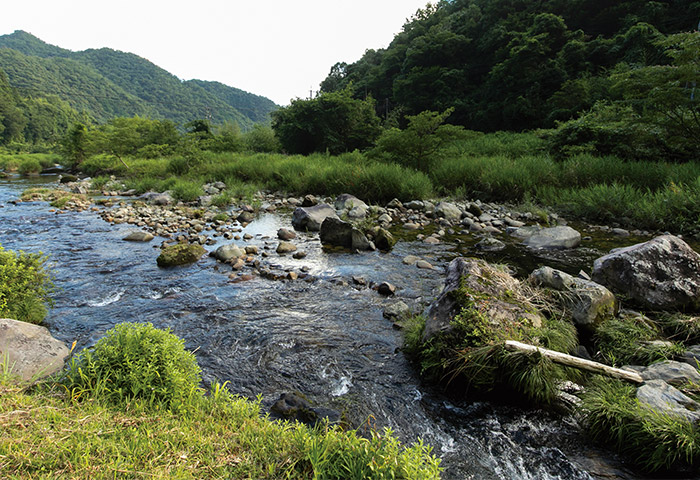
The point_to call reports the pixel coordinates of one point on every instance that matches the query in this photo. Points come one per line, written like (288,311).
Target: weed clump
(135,361)
(656,441)
(25,286)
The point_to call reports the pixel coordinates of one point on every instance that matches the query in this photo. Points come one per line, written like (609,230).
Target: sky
(280,49)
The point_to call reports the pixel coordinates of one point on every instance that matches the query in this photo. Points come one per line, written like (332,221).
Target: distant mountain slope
(79,85)
(106,83)
(256,107)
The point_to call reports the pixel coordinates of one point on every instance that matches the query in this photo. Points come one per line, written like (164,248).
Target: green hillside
(513,64)
(106,83)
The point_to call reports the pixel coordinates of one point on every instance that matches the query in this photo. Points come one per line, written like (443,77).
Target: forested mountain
(106,83)
(513,64)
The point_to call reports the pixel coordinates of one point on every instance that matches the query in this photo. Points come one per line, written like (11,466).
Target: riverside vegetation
(613,98)
(132,405)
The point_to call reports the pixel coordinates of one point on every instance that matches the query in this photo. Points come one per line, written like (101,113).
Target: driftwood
(576,362)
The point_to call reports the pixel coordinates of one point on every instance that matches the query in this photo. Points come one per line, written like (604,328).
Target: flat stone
(286,247)
(139,236)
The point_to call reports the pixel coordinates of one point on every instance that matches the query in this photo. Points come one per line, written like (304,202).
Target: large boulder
(548,238)
(31,351)
(672,372)
(661,274)
(311,218)
(336,232)
(590,303)
(664,398)
(486,288)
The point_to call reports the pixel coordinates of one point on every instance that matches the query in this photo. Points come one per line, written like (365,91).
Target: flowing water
(324,338)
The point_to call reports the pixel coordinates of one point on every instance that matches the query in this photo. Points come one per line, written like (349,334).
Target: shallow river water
(325,338)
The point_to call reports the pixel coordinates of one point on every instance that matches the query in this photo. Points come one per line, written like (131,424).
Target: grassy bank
(512,167)
(131,406)
(43,434)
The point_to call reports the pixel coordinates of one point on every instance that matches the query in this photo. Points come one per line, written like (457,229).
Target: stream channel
(324,338)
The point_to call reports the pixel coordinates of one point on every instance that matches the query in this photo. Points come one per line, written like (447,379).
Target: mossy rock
(180,254)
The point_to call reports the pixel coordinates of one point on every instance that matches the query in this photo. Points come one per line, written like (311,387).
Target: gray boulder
(228,252)
(338,233)
(692,356)
(158,198)
(590,303)
(671,372)
(664,398)
(31,351)
(311,218)
(345,201)
(661,274)
(396,311)
(548,238)
(448,211)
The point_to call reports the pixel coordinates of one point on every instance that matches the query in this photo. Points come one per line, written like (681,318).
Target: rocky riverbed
(318,329)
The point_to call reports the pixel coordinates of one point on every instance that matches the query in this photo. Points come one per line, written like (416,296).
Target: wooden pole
(576,362)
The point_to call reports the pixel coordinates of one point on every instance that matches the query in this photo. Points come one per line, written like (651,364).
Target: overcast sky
(277,48)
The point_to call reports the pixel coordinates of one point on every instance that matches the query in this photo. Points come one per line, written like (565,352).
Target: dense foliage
(106,83)
(333,122)
(25,286)
(513,64)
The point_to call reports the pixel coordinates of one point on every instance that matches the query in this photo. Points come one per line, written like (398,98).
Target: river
(324,338)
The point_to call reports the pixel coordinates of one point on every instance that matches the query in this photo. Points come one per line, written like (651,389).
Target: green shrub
(187,191)
(261,139)
(29,166)
(613,416)
(136,361)
(25,286)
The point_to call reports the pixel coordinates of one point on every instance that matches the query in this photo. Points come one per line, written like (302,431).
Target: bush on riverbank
(114,415)
(135,361)
(25,286)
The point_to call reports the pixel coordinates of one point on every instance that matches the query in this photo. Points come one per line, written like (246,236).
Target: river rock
(311,218)
(228,252)
(548,238)
(159,198)
(671,372)
(417,205)
(32,353)
(490,244)
(338,233)
(692,356)
(180,254)
(352,206)
(395,203)
(386,288)
(448,211)
(664,398)
(139,236)
(286,247)
(286,234)
(661,274)
(487,289)
(396,311)
(384,240)
(590,302)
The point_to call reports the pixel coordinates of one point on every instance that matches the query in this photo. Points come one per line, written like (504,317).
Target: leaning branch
(576,362)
